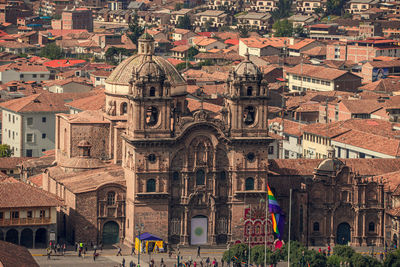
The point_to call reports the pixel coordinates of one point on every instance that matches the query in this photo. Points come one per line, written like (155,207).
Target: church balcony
(25,221)
(145,195)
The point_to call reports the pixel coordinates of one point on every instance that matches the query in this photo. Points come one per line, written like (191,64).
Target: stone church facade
(198,176)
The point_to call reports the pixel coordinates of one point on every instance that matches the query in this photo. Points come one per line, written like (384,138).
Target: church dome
(144,63)
(150,68)
(330,165)
(247,68)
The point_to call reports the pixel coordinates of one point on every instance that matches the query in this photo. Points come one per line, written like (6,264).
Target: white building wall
(354,152)
(11,131)
(12,75)
(314,83)
(294,149)
(43,133)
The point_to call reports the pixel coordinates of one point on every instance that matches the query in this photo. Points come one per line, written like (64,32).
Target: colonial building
(198,176)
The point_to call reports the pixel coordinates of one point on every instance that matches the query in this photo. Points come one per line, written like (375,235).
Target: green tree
(343,251)
(392,259)
(319,11)
(335,261)
(184,23)
(283,28)
(51,51)
(207,26)
(237,253)
(181,66)
(135,30)
(178,6)
(244,31)
(282,10)
(5,151)
(192,52)
(358,260)
(334,7)
(113,53)
(298,31)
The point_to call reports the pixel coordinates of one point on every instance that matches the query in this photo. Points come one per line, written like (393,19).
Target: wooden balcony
(24,221)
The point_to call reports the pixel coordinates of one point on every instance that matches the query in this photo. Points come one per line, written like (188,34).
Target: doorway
(343,234)
(110,233)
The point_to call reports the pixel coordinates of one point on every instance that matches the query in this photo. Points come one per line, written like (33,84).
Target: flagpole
(290,223)
(266,225)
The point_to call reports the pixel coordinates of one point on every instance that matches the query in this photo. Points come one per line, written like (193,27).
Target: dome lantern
(146,44)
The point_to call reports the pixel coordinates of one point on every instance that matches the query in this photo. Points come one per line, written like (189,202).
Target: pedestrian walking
(131,264)
(162,264)
(222,262)
(83,254)
(48,253)
(213,262)
(123,262)
(201,263)
(133,251)
(94,255)
(64,248)
(198,251)
(194,264)
(119,251)
(207,261)
(329,250)
(101,246)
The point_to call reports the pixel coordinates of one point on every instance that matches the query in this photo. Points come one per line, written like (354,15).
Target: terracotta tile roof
(301,44)
(24,67)
(87,116)
(289,127)
(258,42)
(316,72)
(94,102)
(181,31)
(315,51)
(11,162)
(13,44)
(36,180)
(180,48)
(204,41)
(13,255)
(227,35)
(388,85)
(100,73)
(43,102)
(62,63)
(90,180)
(362,106)
(195,104)
(305,167)
(63,82)
(11,191)
(384,64)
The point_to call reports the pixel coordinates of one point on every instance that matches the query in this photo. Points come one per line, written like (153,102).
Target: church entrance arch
(27,238)
(110,233)
(199,227)
(343,234)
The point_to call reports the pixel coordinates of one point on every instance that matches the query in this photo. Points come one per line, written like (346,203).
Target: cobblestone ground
(108,257)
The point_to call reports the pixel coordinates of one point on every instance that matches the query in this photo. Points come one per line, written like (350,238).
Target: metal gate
(110,233)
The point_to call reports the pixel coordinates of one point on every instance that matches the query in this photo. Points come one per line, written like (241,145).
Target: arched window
(152,91)
(124,108)
(111,198)
(200,177)
(371,227)
(222,175)
(316,227)
(151,185)
(175,176)
(249,184)
(249,91)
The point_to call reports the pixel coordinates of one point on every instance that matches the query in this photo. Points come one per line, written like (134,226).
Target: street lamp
(139,228)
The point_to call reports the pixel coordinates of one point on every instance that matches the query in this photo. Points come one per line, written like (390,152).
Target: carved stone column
(185,226)
(364,235)
(213,225)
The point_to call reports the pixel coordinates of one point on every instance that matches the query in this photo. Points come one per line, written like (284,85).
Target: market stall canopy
(148,237)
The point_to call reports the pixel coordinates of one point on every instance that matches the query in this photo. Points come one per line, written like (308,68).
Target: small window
(249,91)
(152,91)
(15,214)
(41,75)
(270,150)
(175,176)
(250,156)
(42,213)
(371,227)
(29,214)
(29,138)
(21,76)
(43,149)
(43,135)
(249,184)
(44,119)
(222,175)
(316,227)
(200,177)
(111,198)
(1,215)
(151,158)
(29,153)
(29,121)
(151,185)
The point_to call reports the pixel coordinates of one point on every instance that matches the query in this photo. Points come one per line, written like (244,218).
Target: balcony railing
(25,221)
